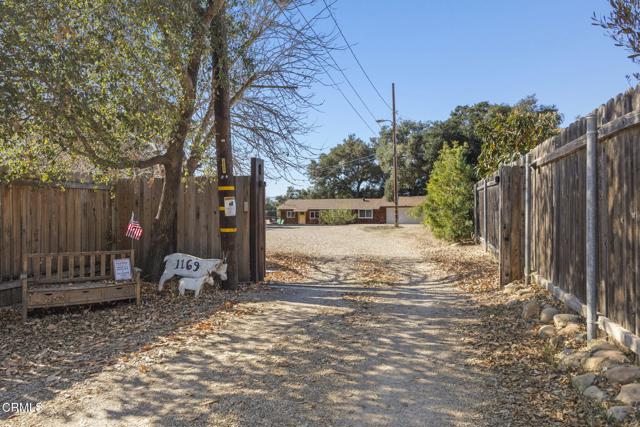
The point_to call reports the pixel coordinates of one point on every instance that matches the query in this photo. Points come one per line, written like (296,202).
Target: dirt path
(371,335)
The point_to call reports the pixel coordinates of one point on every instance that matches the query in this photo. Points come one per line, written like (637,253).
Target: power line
(337,66)
(335,21)
(335,84)
(352,106)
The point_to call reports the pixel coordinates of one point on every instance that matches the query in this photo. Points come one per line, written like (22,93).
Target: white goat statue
(193,284)
(191,267)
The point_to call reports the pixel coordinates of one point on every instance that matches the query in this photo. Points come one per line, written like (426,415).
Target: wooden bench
(75,278)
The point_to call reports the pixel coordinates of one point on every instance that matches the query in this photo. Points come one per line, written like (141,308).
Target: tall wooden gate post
(591,212)
(257,220)
(527,220)
(484,215)
(475,211)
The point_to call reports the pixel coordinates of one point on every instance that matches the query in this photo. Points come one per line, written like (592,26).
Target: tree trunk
(222,123)
(164,232)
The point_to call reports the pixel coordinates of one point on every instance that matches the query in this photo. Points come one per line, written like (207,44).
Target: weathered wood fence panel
(558,215)
(197,222)
(76,217)
(505,215)
(37,219)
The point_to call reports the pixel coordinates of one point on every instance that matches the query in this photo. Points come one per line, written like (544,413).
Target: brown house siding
(283,215)
(379,217)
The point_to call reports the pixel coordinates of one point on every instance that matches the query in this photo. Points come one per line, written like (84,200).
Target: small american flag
(134,231)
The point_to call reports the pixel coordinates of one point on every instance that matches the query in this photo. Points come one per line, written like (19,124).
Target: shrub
(448,206)
(337,216)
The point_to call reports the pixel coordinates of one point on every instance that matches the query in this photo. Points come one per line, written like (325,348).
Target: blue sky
(442,54)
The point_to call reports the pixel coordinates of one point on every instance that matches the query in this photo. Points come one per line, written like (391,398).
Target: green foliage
(270,208)
(622,24)
(84,79)
(293,193)
(348,170)
(449,203)
(419,145)
(337,216)
(510,134)
(416,154)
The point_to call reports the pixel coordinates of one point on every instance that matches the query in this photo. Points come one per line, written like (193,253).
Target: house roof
(302,205)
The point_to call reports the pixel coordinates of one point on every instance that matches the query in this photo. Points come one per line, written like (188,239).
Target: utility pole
(395,157)
(224,152)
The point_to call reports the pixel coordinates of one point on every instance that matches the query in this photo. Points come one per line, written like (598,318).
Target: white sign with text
(122,269)
(184,265)
(229,206)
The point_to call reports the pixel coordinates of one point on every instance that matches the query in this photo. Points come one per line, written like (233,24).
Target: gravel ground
(370,334)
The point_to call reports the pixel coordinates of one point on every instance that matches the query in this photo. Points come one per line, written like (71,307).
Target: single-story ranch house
(368,211)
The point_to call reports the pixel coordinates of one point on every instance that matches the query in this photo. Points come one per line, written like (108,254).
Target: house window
(314,214)
(291,214)
(365,213)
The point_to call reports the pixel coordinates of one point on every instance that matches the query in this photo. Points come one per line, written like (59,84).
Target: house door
(302,218)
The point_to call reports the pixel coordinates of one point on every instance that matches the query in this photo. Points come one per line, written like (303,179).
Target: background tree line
(440,159)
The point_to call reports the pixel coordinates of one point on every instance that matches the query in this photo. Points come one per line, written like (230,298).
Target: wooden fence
(198,229)
(39,219)
(72,217)
(499,217)
(555,207)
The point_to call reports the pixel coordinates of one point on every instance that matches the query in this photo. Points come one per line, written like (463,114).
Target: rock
(530,310)
(613,355)
(619,413)
(557,341)
(581,382)
(572,360)
(622,374)
(629,394)
(594,393)
(511,288)
(581,338)
(570,330)
(546,316)
(596,364)
(602,346)
(563,319)
(521,292)
(546,331)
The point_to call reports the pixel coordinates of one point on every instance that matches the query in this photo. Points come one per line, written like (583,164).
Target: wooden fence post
(257,220)
(475,211)
(504,225)
(591,257)
(484,215)
(527,219)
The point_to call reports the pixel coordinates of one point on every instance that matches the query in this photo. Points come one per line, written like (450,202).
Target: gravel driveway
(371,335)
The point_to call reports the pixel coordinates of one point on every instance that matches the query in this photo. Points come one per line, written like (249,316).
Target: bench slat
(103,266)
(47,263)
(92,265)
(78,286)
(82,262)
(60,266)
